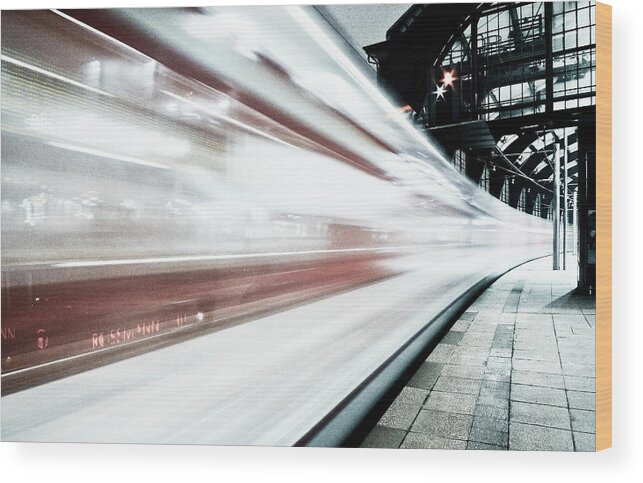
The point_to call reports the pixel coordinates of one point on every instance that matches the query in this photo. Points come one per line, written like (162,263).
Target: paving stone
(461,325)
(412,395)
(383,437)
(495,387)
(490,431)
(466,372)
(584,441)
(429,441)
(504,376)
(584,421)
(543,415)
(527,437)
(468,360)
(582,400)
(457,384)
(499,363)
(580,383)
(494,390)
(451,402)
(507,319)
(495,352)
(446,425)
(441,353)
(426,375)
(536,366)
(538,395)
(469,315)
(492,408)
(573,369)
(550,355)
(474,342)
(532,345)
(538,379)
(404,409)
(452,337)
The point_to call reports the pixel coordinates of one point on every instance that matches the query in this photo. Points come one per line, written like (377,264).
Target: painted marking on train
(119,335)
(42,340)
(8,333)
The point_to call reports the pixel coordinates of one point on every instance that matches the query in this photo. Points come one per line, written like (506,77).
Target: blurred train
(168,172)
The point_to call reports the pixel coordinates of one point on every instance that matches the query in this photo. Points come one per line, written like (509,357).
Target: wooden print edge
(603,226)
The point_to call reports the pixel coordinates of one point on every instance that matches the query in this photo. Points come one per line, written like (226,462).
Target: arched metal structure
(503,82)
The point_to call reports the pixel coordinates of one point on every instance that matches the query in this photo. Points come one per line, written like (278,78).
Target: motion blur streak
(227,173)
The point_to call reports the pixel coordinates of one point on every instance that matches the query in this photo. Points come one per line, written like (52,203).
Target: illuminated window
(504,193)
(522,200)
(460,161)
(511,51)
(537,206)
(484,178)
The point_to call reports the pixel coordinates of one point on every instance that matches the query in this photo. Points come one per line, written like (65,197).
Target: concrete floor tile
(538,395)
(539,414)
(495,352)
(452,337)
(404,409)
(492,408)
(585,441)
(429,441)
(580,383)
(582,400)
(536,366)
(573,369)
(550,355)
(538,379)
(446,425)
(469,315)
(451,402)
(412,395)
(461,325)
(463,360)
(490,431)
(466,372)
(384,437)
(399,416)
(426,376)
(457,384)
(441,353)
(526,437)
(584,421)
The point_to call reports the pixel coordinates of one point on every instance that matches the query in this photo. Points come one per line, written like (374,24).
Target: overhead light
(448,77)
(439,92)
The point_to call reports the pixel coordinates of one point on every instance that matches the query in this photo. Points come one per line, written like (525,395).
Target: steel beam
(565,154)
(555,207)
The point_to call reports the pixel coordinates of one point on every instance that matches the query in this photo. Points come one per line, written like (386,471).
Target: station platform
(515,372)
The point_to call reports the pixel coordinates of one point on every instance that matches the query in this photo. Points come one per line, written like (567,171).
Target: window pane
(570,40)
(583,17)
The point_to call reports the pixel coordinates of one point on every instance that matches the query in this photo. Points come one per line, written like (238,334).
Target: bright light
(439,92)
(199,316)
(448,78)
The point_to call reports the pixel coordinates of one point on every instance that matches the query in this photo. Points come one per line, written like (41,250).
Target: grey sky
(363,24)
